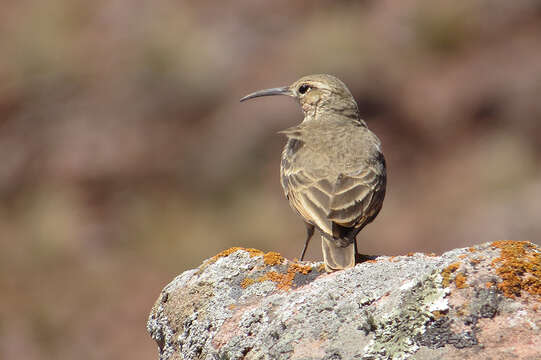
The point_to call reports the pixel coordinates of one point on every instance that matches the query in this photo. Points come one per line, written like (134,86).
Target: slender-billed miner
(332,169)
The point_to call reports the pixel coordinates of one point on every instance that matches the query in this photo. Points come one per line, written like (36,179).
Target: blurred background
(126,157)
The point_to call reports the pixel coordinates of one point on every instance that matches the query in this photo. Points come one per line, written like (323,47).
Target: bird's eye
(303,88)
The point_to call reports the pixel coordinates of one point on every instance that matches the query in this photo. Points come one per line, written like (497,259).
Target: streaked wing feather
(309,198)
(346,202)
(352,205)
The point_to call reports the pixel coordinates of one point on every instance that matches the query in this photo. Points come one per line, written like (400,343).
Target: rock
(477,303)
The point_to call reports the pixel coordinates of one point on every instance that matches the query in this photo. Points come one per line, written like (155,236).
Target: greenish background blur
(126,158)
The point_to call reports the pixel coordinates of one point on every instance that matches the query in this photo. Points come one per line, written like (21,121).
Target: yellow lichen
(519,267)
(273,258)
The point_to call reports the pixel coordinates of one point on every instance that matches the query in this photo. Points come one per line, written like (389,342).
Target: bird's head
(317,95)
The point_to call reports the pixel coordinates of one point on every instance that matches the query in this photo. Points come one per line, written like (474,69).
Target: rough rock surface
(478,303)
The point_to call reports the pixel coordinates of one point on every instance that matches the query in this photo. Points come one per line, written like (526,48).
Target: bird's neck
(345,110)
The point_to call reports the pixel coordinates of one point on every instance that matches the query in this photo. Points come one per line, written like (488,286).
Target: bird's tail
(336,257)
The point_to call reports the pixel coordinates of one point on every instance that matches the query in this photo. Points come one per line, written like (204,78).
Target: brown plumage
(333,169)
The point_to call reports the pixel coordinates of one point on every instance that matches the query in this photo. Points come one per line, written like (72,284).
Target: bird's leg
(309,233)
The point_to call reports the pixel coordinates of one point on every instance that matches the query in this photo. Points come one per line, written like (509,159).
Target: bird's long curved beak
(267,92)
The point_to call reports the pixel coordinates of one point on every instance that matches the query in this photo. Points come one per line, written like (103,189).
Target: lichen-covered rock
(477,303)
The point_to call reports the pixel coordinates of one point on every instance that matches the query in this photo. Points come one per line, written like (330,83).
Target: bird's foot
(360,258)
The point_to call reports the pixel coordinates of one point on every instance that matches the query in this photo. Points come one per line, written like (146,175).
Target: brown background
(126,157)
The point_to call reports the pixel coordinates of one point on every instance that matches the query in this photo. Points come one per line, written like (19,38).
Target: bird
(332,168)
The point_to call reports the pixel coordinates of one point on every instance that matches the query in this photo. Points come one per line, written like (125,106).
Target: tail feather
(336,257)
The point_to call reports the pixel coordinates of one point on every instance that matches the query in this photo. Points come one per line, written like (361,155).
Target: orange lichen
(283,281)
(463,256)
(247,282)
(411,253)
(321,268)
(489,284)
(298,268)
(252,252)
(273,258)
(431,254)
(475,261)
(446,273)
(438,314)
(460,281)
(519,267)
(472,249)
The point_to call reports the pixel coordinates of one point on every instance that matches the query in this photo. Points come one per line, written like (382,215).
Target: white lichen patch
(396,330)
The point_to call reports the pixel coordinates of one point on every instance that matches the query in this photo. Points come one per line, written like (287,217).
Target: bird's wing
(356,198)
(346,200)
(309,196)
